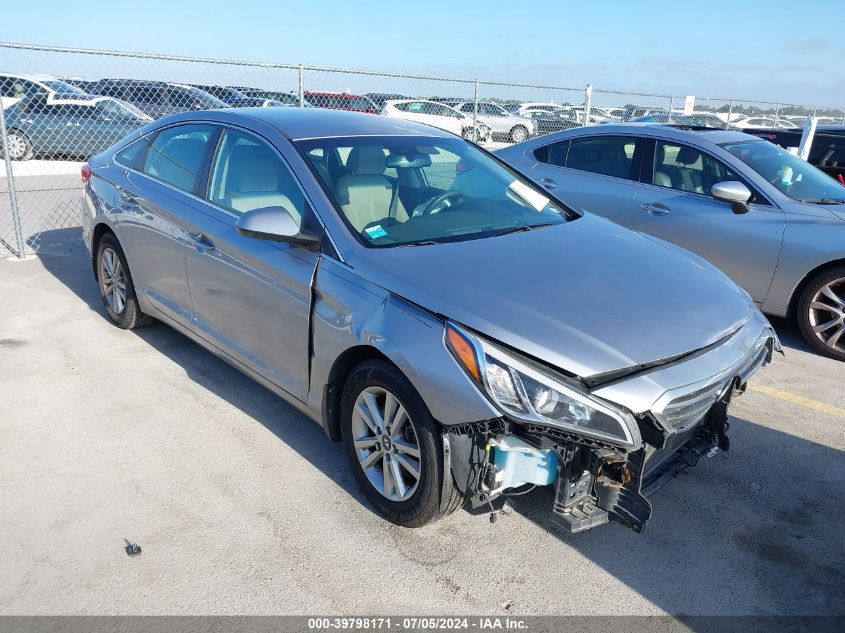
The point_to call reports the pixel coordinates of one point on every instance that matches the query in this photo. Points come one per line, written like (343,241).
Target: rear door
(593,173)
(674,204)
(251,297)
(154,215)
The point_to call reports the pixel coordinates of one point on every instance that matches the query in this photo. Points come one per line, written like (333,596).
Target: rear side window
(129,156)
(175,156)
(247,174)
(605,155)
(554,154)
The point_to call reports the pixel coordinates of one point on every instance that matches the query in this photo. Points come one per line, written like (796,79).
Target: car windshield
(794,177)
(122,110)
(208,101)
(63,87)
(404,190)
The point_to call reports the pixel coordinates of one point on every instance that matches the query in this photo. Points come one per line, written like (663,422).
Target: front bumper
(597,482)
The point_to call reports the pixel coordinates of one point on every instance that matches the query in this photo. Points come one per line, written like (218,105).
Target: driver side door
(674,204)
(251,297)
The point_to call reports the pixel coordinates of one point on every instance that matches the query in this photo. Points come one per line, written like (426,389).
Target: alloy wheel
(112,281)
(827,314)
(17,146)
(519,134)
(386,443)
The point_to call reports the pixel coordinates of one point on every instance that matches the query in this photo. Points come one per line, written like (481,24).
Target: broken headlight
(533,394)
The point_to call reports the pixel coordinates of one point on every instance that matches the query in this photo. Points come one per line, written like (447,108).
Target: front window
(792,176)
(396,190)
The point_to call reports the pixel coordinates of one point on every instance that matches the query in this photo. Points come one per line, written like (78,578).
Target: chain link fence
(62,105)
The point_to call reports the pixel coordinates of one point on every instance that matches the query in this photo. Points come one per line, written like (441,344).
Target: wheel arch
(332,390)
(796,294)
(96,235)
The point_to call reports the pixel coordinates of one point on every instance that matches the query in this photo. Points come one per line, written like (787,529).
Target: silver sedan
(774,223)
(465,334)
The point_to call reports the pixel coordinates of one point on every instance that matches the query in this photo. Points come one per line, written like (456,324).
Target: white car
(14,87)
(437,115)
(503,123)
(762,123)
(548,107)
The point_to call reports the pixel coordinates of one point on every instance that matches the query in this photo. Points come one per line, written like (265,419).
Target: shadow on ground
(753,531)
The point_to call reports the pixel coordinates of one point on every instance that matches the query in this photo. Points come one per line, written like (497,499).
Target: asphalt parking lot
(241,505)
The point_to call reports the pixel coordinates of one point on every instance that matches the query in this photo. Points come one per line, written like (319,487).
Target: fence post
(475,115)
(301,86)
(730,113)
(13,194)
(588,104)
(777,114)
(671,107)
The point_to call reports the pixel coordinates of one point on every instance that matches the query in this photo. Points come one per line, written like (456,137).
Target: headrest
(252,169)
(366,160)
(660,154)
(687,155)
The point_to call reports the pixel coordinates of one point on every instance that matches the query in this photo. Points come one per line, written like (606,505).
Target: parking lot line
(799,400)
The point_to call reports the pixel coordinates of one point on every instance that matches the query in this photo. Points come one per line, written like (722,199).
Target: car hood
(587,296)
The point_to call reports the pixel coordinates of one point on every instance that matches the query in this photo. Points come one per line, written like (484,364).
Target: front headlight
(533,394)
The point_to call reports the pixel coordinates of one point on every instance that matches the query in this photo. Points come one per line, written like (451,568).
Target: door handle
(548,183)
(201,242)
(655,208)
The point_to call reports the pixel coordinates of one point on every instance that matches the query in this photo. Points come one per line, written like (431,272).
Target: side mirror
(275,224)
(734,192)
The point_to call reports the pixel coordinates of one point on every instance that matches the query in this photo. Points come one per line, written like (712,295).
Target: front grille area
(685,411)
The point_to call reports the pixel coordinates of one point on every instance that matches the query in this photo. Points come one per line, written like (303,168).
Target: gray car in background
(774,223)
(464,333)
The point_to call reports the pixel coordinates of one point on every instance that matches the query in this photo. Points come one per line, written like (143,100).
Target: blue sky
(718,48)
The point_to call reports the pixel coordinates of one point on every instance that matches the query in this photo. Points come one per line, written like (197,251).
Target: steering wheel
(443,201)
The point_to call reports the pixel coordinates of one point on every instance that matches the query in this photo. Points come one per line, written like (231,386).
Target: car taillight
(86,172)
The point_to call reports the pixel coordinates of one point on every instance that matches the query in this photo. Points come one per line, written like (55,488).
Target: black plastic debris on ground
(132,549)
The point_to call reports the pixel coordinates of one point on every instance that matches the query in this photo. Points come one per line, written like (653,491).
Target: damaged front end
(602,460)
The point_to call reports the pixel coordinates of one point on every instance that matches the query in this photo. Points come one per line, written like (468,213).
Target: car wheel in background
(468,134)
(821,312)
(116,288)
(393,445)
(519,133)
(19,146)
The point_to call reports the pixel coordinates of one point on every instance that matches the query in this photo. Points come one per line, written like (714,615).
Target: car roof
(309,123)
(678,132)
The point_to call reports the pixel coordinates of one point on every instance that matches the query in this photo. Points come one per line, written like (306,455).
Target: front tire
(19,146)
(393,445)
(821,312)
(116,288)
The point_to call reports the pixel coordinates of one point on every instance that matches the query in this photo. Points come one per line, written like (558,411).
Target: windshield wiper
(420,243)
(522,228)
(824,201)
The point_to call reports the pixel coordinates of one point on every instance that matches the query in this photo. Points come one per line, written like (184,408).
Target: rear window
(176,154)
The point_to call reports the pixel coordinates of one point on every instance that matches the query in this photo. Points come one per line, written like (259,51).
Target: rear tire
(394,444)
(821,312)
(116,288)
(518,134)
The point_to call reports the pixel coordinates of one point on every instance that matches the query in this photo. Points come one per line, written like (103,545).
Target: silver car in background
(462,332)
(503,124)
(773,222)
